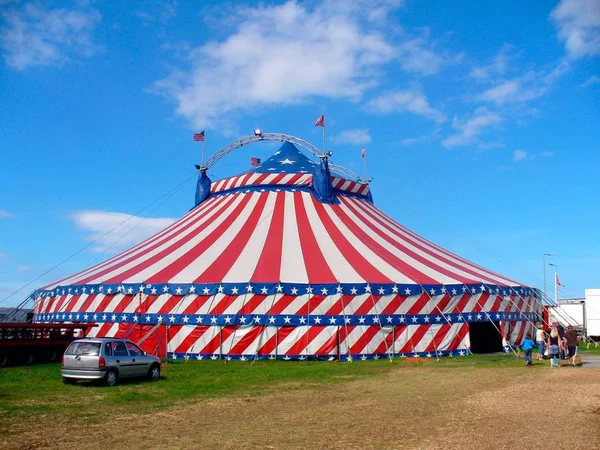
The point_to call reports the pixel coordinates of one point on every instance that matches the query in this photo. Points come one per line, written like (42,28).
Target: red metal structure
(26,343)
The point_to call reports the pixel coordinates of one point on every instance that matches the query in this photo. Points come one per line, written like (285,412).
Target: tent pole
(437,357)
(235,331)
(519,309)
(208,312)
(387,348)
(260,337)
(308,293)
(347,337)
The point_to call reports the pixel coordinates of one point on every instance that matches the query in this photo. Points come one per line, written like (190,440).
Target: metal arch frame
(343,171)
(274,137)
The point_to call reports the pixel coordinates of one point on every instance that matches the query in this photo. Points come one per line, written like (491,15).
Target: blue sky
(481,120)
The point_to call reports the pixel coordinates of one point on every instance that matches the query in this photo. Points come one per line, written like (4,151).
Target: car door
(140,363)
(123,360)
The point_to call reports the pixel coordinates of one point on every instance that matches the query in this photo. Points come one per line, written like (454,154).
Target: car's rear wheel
(111,378)
(69,380)
(154,373)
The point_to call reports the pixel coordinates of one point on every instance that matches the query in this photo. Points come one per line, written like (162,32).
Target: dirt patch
(410,407)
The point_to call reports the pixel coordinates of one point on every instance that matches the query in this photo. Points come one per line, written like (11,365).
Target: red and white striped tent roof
(288,261)
(266,230)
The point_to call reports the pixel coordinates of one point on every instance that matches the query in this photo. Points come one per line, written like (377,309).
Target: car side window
(134,350)
(108,349)
(119,349)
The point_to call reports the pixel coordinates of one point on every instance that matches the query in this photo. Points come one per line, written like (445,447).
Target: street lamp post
(544,259)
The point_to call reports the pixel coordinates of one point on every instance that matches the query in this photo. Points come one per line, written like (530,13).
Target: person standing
(561,336)
(554,346)
(572,342)
(528,346)
(540,339)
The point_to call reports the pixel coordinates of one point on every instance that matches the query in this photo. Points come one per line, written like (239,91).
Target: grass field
(453,403)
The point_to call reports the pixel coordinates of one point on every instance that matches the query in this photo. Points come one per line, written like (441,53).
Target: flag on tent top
(558,283)
(199,137)
(363,153)
(254,162)
(320,122)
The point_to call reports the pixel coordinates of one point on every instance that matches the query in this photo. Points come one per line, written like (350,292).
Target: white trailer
(592,312)
(569,312)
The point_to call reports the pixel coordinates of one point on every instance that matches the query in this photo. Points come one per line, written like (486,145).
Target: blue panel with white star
(288,159)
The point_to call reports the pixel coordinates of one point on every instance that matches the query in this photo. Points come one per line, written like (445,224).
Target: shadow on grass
(121,382)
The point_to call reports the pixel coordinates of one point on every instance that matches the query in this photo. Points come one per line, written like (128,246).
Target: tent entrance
(485,337)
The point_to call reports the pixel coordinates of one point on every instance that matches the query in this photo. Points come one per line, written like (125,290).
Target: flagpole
(555,288)
(203,143)
(324,150)
(365,167)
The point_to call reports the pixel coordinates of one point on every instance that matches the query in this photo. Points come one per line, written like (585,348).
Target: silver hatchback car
(107,360)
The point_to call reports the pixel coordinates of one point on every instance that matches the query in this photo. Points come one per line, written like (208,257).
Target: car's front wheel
(154,373)
(111,378)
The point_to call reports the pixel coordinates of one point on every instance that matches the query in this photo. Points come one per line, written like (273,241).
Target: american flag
(320,122)
(363,153)
(254,162)
(199,137)
(558,283)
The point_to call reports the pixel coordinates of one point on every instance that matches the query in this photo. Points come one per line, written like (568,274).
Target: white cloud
(594,79)
(288,54)
(507,83)
(406,142)
(24,268)
(5,214)
(502,92)
(405,101)
(3,255)
(157,12)
(33,36)
(519,155)
(117,231)
(490,145)
(416,57)
(518,90)
(526,87)
(378,12)
(353,136)
(467,132)
(498,66)
(578,23)
(279,55)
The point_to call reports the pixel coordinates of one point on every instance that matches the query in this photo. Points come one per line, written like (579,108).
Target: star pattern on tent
(288,159)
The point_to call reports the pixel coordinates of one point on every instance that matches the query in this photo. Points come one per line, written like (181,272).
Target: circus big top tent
(291,260)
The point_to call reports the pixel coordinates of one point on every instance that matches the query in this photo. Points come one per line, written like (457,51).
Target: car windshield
(84,348)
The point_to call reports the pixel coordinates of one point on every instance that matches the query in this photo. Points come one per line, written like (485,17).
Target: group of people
(557,344)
